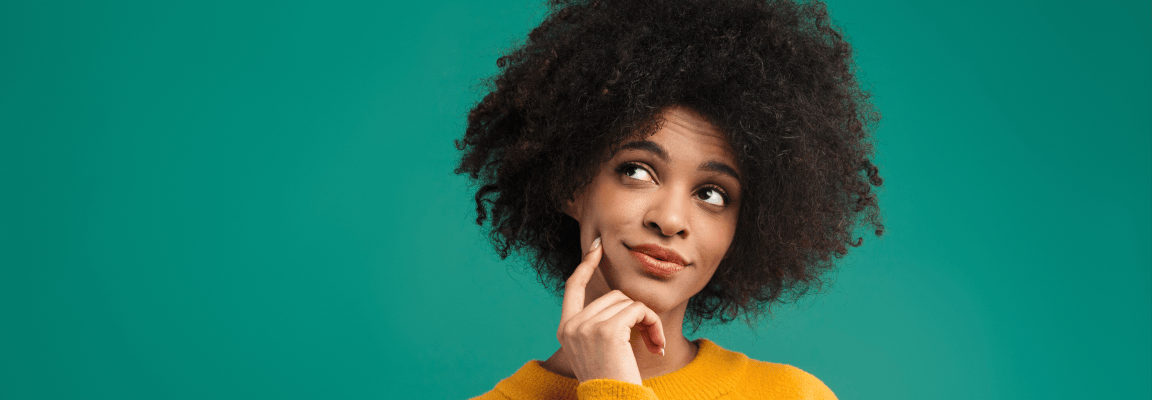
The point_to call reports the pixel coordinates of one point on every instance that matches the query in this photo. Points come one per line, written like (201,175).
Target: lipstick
(657,260)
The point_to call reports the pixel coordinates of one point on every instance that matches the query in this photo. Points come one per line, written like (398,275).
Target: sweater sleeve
(611,389)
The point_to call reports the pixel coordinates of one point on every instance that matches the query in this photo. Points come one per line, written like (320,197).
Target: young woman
(672,162)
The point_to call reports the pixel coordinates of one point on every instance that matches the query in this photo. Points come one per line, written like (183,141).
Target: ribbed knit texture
(715,373)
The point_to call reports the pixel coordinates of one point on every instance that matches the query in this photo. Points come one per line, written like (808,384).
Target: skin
(619,321)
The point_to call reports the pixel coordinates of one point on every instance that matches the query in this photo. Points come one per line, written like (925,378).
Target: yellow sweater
(715,373)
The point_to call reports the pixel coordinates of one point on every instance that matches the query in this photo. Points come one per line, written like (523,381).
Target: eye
(712,195)
(635,171)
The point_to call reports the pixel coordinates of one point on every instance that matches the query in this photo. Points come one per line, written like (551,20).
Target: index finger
(577,283)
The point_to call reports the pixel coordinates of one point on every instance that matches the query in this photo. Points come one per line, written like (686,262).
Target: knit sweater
(715,373)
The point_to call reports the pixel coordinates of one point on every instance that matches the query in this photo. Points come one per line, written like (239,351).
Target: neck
(678,352)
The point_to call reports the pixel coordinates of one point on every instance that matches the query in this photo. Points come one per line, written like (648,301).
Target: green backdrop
(243,199)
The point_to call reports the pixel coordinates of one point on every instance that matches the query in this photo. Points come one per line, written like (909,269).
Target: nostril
(666,224)
(656,227)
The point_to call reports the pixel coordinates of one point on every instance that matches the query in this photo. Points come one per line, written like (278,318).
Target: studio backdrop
(255,199)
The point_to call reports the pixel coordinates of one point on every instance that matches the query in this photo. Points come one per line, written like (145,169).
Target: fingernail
(595,244)
(661,352)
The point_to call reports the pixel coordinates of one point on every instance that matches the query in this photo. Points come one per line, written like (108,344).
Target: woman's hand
(596,337)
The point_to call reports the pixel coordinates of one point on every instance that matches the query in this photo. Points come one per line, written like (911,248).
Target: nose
(668,216)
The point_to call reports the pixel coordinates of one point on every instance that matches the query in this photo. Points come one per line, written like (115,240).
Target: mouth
(657,260)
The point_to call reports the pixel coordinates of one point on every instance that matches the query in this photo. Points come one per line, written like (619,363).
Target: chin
(660,295)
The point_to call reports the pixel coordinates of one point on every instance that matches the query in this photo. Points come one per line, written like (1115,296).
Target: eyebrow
(716,166)
(650,147)
(655,149)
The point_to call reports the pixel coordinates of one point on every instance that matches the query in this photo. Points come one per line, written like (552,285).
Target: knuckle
(643,310)
(605,331)
(571,329)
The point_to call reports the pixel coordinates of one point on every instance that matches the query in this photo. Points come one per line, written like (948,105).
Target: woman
(667,162)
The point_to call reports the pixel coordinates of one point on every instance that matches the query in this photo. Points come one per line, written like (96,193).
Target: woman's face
(665,208)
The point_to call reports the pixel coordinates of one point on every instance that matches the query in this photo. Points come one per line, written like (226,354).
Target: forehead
(686,119)
(689,134)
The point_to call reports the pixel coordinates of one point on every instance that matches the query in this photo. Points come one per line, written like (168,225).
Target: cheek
(611,221)
(603,214)
(719,241)
(612,210)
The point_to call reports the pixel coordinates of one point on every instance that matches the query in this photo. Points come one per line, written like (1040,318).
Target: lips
(658,260)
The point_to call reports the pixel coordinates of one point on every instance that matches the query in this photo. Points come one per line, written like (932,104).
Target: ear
(572,208)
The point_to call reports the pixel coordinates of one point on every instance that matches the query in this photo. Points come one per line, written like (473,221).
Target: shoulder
(491,395)
(782,381)
(754,379)
(532,381)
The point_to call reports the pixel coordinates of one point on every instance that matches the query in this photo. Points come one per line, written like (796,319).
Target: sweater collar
(713,372)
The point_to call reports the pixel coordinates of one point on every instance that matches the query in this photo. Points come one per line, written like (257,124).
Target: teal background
(242,199)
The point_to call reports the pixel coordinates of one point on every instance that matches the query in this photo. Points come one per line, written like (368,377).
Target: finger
(577,283)
(601,304)
(646,321)
(594,310)
(578,326)
(648,342)
(607,312)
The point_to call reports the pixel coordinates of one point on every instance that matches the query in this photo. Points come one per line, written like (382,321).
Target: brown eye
(635,172)
(711,196)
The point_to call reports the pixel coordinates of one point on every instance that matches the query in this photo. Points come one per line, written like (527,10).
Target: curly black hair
(776,77)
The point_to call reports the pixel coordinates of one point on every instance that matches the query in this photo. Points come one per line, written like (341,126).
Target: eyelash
(629,165)
(721,192)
